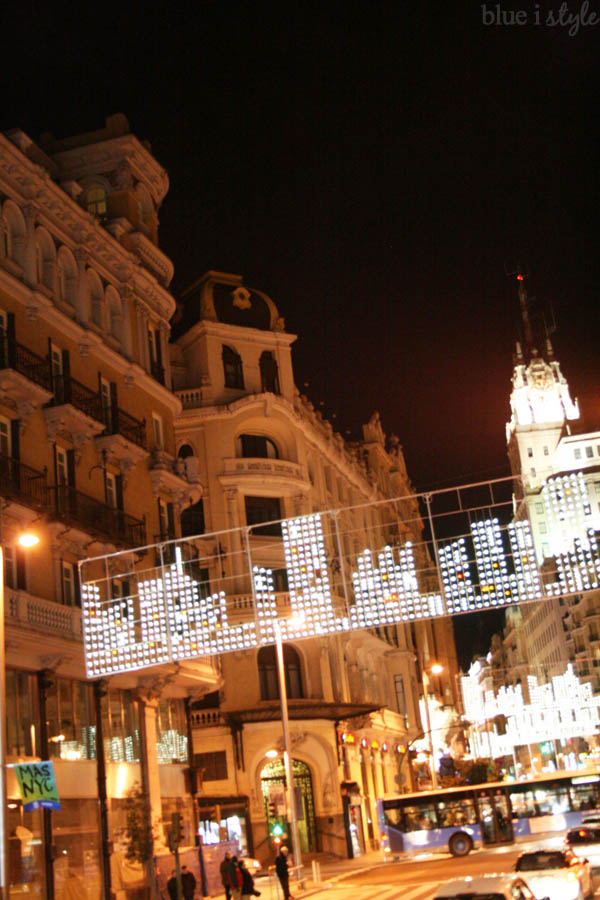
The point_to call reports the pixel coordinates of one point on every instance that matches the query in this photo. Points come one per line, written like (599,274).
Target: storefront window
(71,722)
(171,731)
(121,727)
(75,833)
(21,713)
(25,855)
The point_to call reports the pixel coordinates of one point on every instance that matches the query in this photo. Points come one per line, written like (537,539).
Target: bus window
(419,818)
(585,796)
(392,816)
(456,812)
(551,800)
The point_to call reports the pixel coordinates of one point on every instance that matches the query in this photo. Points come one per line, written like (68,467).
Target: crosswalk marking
(424,890)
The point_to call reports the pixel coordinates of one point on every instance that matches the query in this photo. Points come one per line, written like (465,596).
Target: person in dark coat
(281,867)
(172,886)
(188,883)
(224,869)
(248,889)
(234,876)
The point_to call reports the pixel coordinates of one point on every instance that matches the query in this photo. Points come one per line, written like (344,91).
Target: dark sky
(374,167)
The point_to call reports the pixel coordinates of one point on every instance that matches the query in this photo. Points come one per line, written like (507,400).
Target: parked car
(557,874)
(508,886)
(585,841)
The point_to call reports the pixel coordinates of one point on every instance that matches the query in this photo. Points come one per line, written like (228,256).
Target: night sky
(376,168)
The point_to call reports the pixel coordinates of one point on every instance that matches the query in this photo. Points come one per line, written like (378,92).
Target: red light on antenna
(520,277)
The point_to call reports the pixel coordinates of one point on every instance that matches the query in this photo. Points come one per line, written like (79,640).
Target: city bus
(459,818)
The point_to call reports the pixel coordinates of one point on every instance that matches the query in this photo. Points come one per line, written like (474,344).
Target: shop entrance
(273,788)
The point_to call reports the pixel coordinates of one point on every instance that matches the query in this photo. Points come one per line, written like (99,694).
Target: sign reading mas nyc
(171,618)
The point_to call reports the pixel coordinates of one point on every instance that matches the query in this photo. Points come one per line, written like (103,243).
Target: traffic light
(176,833)
(272,809)
(277,833)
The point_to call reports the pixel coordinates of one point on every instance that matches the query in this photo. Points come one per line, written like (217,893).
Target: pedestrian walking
(188,883)
(283,872)
(234,876)
(224,869)
(248,889)
(172,886)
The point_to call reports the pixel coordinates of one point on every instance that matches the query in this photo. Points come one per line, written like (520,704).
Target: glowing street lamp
(435,669)
(24,540)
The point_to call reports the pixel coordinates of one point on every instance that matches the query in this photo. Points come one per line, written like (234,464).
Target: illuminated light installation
(170,615)
(564,707)
(390,592)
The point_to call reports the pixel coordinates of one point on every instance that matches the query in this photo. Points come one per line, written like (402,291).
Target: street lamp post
(25,540)
(436,668)
(287,759)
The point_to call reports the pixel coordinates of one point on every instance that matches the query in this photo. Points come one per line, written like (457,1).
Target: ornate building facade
(87,460)
(266,454)
(112,437)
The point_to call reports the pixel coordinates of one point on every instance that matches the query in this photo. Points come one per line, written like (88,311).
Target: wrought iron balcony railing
(119,422)
(78,510)
(22,483)
(25,362)
(68,390)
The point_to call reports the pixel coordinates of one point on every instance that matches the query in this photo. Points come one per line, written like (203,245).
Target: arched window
(45,255)
(67,276)
(115,313)
(267,673)
(232,367)
(96,298)
(269,376)
(256,446)
(15,232)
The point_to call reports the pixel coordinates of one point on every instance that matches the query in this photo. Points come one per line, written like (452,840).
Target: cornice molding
(27,183)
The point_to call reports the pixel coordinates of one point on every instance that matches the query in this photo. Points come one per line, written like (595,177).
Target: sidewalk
(332,870)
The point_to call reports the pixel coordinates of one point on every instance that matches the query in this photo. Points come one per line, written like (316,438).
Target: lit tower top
(540,394)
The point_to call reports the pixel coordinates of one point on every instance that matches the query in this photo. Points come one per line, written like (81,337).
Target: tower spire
(523,300)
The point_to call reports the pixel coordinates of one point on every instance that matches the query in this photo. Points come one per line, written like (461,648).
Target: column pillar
(82,304)
(238,559)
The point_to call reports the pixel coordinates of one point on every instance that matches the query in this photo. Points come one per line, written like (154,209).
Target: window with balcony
(70,594)
(267,673)
(15,571)
(113,490)
(256,446)
(264,509)
(232,369)
(269,374)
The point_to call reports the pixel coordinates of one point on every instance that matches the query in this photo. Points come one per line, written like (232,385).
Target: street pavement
(369,878)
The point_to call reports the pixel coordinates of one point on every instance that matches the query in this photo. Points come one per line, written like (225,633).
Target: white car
(486,887)
(556,874)
(585,842)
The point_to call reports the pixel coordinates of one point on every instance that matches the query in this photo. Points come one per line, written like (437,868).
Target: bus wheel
(460,844)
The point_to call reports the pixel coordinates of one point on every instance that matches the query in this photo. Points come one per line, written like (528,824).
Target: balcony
(25,610)
(86,514)
(25,378)
(255,473)
(21,484)
(169,476)
(124,437)
(75,408)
